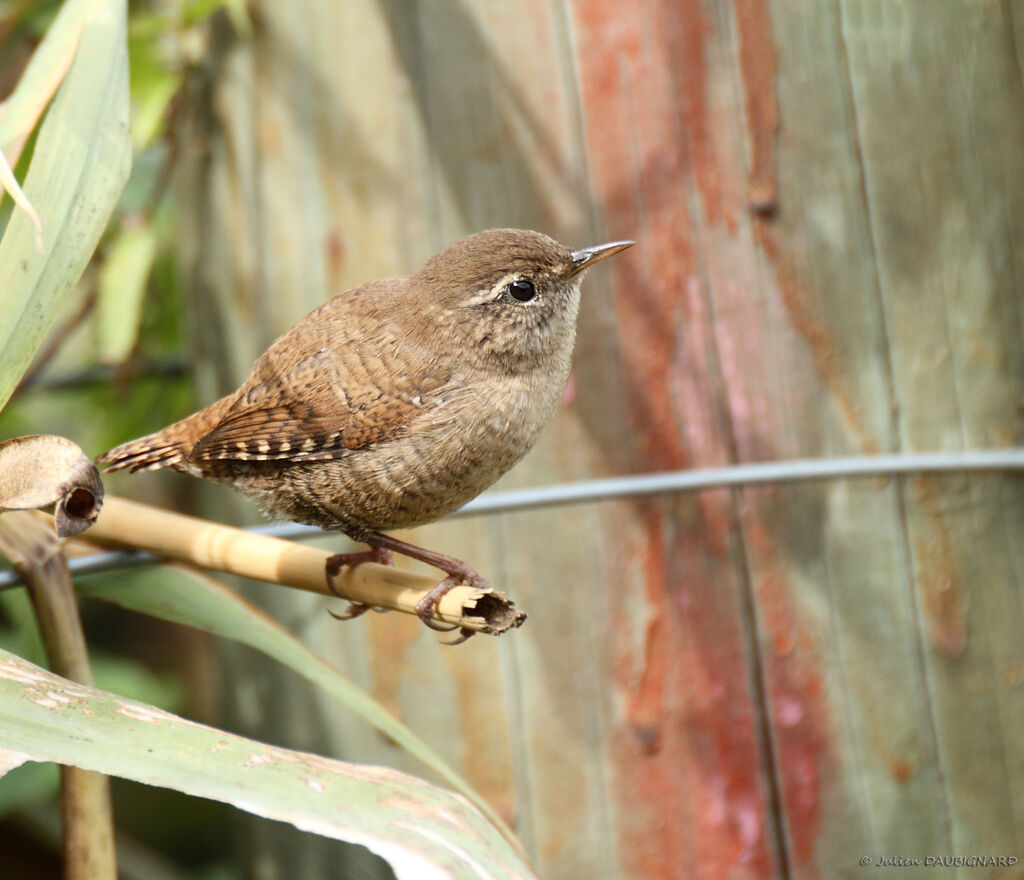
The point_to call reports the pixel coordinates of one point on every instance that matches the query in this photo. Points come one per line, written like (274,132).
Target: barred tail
(169,447)
(149,453)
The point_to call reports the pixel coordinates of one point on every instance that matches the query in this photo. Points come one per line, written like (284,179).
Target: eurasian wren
(396,402)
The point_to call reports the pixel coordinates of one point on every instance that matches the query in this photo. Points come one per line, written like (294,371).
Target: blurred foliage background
(114,366)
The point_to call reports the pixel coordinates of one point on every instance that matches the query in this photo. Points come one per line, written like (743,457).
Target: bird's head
(508,295)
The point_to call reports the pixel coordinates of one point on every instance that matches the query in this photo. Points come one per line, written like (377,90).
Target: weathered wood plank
(941,118)
(691,789)
(766,683)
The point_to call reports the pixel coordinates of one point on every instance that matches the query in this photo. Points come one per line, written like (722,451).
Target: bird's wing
(323,406)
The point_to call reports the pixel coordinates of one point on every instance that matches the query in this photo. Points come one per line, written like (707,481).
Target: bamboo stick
(223,548)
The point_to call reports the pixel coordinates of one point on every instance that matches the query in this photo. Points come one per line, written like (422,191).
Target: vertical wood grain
(766,683)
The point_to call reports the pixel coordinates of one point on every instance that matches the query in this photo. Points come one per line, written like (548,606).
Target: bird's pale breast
(468,436)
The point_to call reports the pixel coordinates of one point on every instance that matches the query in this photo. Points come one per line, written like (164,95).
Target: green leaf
(10,183)
(421,830)
(151,108)
(41,77)
(197,11)
(21,111)
(188,597)
(122,288)
(155,78)
(81,162)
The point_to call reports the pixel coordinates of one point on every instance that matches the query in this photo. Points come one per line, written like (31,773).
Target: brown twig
(32,546)
(223,548)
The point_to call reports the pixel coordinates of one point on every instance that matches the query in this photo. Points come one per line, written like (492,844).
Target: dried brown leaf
(38,470)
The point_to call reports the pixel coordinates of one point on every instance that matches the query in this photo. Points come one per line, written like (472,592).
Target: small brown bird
(396,402)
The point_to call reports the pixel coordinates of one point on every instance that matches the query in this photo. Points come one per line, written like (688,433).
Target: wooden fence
(829,205)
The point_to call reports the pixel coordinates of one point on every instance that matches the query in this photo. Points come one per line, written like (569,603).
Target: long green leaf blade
(80,165)
(188,597)
(421,830)
(44,72)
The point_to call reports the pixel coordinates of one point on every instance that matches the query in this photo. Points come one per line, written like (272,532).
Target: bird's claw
(430,604)
(464,633)
(338,561)
(354,610)
(456,572)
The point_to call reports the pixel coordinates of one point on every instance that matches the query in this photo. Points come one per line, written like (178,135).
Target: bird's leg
(456,570)
(338,561)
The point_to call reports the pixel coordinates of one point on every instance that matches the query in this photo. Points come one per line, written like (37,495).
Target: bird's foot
(427,606)
(457,573)
(338,561)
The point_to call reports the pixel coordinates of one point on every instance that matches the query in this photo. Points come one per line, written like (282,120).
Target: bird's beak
(586,257)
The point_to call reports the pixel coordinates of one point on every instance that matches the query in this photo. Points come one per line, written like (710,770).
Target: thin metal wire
(617,488)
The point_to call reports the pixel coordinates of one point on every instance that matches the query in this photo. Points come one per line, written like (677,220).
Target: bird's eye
(522,290)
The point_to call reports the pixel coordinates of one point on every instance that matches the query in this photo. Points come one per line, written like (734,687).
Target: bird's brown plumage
(397,401)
